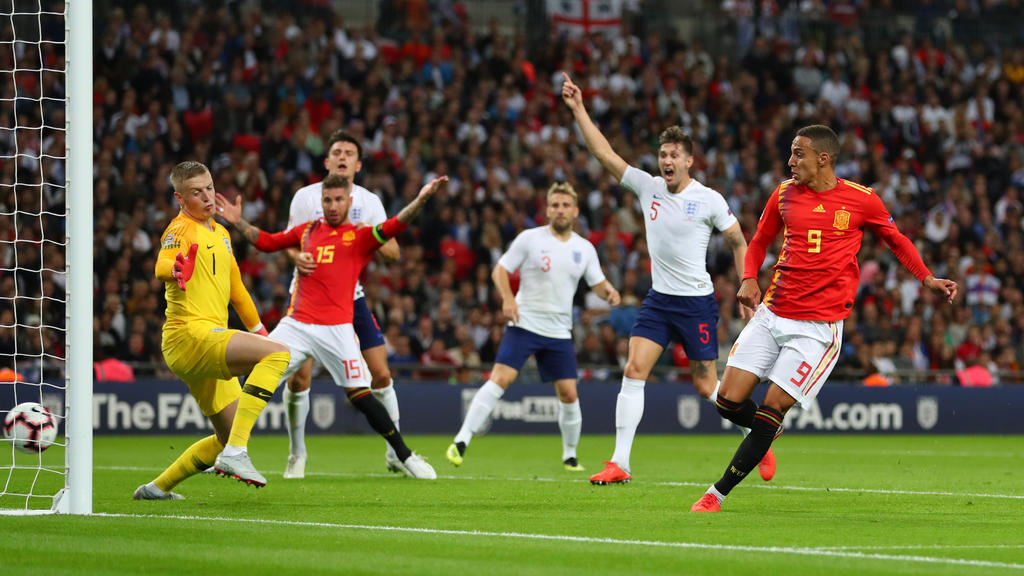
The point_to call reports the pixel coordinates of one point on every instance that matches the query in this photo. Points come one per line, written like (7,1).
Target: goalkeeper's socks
(258,389)
(297,408)
(767,422)
(379,419)
(193,460)
(479,411)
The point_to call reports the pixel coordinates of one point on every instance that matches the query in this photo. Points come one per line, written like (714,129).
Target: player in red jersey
(319,320)
(793,340)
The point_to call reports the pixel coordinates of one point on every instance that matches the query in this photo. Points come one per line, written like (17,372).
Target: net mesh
(33,244)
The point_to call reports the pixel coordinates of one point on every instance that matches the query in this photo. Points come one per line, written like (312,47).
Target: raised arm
(596,142)
(231,212)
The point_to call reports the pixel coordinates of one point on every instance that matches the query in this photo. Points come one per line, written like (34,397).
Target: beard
(561,227)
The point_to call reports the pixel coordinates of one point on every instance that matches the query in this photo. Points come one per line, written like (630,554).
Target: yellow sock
(258,389)
(195,459)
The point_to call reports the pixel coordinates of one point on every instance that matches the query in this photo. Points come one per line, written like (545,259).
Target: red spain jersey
(326,296)
(817,275)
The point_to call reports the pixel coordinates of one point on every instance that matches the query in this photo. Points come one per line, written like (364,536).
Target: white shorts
(796,355)
(333,345)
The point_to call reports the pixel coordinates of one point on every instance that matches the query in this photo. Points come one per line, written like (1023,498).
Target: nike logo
(210,247)
(656,197)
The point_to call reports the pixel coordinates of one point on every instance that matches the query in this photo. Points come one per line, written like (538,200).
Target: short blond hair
(563,188)
(186,170)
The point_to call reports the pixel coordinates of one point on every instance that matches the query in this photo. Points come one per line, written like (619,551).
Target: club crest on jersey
(842,220)
(348,237)
(691,208)
(227,244)
(577,256)
(356,214)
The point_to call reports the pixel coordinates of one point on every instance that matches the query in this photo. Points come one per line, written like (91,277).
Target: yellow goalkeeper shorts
(197,354)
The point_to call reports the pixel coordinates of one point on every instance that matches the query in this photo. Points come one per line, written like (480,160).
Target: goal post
(78,119)
(46,249)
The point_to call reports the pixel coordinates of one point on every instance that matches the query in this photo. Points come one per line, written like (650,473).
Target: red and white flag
(586,16)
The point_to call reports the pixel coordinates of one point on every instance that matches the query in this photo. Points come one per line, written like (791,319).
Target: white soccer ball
(31,426)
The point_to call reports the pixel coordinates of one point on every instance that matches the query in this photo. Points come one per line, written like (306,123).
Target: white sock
(480,408)
(231,450)
(297,408)
(570,422)
(389,399)
(716,493)
(629,409)
(714,393)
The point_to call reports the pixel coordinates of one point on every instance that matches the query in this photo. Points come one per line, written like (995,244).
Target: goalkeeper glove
(184,266)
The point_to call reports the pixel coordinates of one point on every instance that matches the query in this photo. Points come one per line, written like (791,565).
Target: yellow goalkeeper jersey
(215,282)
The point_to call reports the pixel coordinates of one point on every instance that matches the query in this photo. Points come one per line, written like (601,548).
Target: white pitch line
(927,547)
(656,483)
(594,540)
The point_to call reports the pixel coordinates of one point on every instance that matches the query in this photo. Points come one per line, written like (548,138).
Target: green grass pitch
(838,505)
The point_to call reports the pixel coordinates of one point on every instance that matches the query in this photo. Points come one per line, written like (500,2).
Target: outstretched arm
(231,212)
(596,142)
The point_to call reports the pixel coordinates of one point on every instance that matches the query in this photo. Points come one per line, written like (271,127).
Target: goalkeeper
(319,320)
(200,349)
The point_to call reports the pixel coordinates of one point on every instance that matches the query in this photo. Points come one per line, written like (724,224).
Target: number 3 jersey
(341,253)
(550,271)
(678,231)
(816,275)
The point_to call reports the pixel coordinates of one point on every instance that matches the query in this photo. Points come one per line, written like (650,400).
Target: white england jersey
(307,205)
(678,231)
(550,270)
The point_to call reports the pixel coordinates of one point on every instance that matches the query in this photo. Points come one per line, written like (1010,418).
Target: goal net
(45,195)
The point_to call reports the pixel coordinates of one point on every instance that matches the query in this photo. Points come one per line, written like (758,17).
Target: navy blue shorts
(691,320)
(366,326)
(556,358)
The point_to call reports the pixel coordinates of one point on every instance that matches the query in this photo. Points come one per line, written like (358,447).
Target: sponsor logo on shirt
(170,241)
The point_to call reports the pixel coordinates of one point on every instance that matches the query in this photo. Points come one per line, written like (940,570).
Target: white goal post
(46,248)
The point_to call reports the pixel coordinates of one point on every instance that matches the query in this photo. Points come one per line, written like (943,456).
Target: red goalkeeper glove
(184,266)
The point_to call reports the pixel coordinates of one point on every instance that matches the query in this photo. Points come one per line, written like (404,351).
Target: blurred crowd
(927,106)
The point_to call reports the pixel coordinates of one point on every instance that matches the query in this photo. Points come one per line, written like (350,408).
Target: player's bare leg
(383,388)
(296,403)
(707,384)
(570,422)
(265,361)
(629,408)
(486,398)
(765,423)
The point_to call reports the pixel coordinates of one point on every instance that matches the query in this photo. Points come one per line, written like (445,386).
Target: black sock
(739,413)
(767,422)
(461,447)
(377,415)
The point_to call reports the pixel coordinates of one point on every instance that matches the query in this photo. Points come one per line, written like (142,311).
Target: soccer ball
(31,426)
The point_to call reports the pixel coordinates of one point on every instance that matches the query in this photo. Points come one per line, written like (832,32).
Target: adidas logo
(820,208)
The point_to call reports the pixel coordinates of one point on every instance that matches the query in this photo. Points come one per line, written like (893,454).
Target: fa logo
(691,208)
(227,244)
(356,214)
(577,256)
